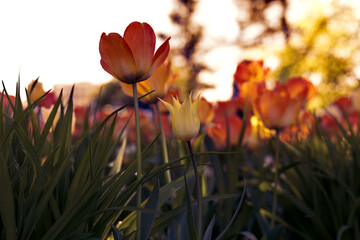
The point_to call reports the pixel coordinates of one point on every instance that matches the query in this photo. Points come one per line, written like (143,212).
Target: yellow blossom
(185,118)
(37,90)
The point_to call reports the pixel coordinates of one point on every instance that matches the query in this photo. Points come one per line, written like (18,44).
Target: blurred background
(58,42)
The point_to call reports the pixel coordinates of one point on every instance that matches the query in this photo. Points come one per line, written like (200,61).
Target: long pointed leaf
(190,223)
(7,208)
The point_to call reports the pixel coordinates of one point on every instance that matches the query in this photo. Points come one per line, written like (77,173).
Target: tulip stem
(198,190)
(138,160)
(163,143)
(276,179)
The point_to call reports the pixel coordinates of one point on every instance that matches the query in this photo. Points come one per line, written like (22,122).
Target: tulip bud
(185,118)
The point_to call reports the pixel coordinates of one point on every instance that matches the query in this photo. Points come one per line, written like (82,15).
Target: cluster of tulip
(259,110)
(282,109)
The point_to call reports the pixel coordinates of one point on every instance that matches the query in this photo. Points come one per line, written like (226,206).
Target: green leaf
(199,141)
(222,234)
(190,223)
(43,201)
(7,208)
(48,124)
(209,229)
(116,233)
(147,219)
(248,235)
(342,229)
(119,159)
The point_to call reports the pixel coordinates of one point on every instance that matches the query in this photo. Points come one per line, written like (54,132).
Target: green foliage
(53,185)
(57,186)
(321,192)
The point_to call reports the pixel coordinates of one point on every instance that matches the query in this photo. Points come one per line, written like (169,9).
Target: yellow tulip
(185,118)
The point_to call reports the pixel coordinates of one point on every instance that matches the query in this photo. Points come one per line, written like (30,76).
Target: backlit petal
(116,57)
(272,105)
(161,54)
(141,39)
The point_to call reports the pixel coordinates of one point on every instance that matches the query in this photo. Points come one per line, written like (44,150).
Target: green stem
(138,159)
(276,179)
(198,190)
(163,143)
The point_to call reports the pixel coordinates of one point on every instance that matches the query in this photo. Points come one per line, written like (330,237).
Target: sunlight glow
(59,41)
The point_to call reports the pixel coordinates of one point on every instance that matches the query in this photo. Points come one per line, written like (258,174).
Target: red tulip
(343,111)
(131,58)
(226,108)
(6,105)
(345,104)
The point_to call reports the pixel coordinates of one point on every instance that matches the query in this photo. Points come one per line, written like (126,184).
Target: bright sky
(58,40)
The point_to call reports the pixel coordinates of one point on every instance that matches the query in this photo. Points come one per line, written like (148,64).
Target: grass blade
(7,208)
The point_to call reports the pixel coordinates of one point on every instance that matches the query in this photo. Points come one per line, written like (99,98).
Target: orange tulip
(300,130)
(250,90)
(252,71)
(247,75)
(131,58)
(172,92)
(277,108)
(206,111)
(160,81)
(218,131)
(301,88)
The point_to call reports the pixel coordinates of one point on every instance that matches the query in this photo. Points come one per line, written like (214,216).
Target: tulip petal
(161,78)
(141,39)
(291,112)
(271,107)
(116,57)
(169,107)
(185,119)
(301,88)
(161,54)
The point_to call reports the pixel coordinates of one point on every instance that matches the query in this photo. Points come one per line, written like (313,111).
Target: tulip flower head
(185,118)
(36,91)
(252,71)
(301,88)
(276,108)
(131,58)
